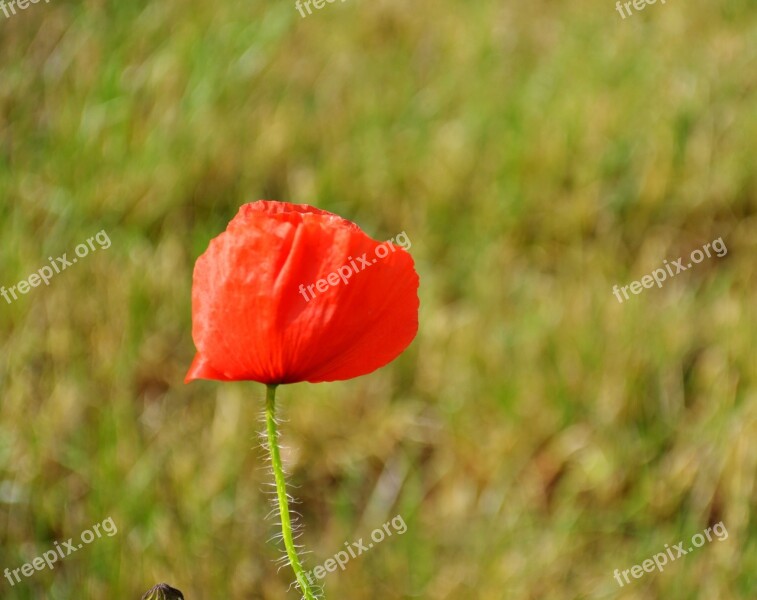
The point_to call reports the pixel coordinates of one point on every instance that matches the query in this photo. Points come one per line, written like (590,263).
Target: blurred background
(536,436)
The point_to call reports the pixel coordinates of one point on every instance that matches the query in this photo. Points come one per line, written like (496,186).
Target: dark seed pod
(163,591)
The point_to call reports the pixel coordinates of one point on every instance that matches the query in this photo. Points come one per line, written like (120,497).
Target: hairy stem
(281,493)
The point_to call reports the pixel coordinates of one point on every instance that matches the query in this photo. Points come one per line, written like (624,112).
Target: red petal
(201,369)
(251,320)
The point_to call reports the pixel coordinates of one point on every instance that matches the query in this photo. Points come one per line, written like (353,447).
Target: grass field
(537,435)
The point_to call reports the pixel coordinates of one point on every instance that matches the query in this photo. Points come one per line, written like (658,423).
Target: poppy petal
(294,293)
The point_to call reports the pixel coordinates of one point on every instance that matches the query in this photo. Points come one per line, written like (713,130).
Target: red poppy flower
(272,300)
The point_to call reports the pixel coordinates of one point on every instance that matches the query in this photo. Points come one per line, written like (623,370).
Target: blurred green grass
(536,436)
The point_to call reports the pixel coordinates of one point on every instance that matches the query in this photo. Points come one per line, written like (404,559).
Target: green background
(537,434)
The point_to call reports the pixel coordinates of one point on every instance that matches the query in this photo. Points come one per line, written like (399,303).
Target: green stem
(281,492)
